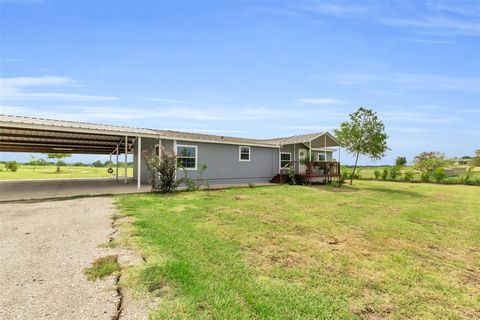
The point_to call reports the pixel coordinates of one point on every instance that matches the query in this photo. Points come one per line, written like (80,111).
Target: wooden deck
(313,171)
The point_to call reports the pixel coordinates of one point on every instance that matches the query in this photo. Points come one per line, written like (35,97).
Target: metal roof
(28,134)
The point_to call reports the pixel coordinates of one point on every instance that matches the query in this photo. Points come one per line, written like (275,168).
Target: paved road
(44,248)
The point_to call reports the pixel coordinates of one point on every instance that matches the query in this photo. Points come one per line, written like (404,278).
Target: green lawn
(368,173)
(376,250)
(50,172)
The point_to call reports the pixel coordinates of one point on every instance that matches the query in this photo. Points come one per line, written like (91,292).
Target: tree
(401,161)
(97,164)
(428,161)
(364,134)
(11,166)
(33,161)
(164,167)
(58,157)
(476,159)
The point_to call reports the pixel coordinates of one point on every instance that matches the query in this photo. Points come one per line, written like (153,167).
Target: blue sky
(255,69)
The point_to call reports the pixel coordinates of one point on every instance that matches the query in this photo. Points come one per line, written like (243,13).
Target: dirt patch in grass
(335,188)
(102,267)
(183,207)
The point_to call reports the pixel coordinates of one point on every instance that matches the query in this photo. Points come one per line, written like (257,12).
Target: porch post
(110,163)
(310,150)
(325,146)
(294,158)
(139,162)
(126,154)
(279,160)
(175,153)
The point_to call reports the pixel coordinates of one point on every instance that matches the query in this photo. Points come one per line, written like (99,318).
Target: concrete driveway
(53,188)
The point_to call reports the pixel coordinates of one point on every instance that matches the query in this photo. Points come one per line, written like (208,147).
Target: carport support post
(139,162)
(126,154)
(118,147)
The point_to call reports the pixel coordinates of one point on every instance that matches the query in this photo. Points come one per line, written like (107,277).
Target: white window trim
(289,153)
(196,154)
(240,153)
(322,154)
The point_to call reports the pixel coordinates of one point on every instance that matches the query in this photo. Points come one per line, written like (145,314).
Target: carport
(34,135)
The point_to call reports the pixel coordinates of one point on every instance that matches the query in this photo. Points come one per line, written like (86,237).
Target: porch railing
(311,169)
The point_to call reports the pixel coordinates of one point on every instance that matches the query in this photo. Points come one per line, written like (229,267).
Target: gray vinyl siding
(222,161)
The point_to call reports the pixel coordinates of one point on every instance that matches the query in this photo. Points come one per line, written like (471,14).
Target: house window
(285,158)
(157,150)
(187,157)
(243,153)
(321,157)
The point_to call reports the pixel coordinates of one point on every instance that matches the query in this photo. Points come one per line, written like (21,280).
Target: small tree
(385,172)
(364,134)
(33,162)
(58,157)
(409,175)
(476,159)
(401,161)
(163,166)
(11,166)
(97,164)
(395,172)
(439,175)
(428,162)
(377,174)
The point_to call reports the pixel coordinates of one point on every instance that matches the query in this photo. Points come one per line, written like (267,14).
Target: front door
(302,154)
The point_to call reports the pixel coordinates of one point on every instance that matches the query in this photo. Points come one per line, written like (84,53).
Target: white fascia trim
(196,155)
(222,142)
(19,126)
(240,153)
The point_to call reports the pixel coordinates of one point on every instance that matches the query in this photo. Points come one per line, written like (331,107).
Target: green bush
(395,172)
(409,175)
(439,174)
(468,176)
(377,174)
(425,176)
(385,173)
(291,176)
(11,166)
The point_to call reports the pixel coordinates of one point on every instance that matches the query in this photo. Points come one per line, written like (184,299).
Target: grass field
(49,172)
(368,173)
(377,250)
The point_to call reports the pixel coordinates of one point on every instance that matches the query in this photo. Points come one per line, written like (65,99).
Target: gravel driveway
(44,248)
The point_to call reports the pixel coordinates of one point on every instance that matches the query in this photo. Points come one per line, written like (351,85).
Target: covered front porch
(310,158)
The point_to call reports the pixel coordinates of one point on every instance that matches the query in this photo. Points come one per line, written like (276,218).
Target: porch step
(279,179)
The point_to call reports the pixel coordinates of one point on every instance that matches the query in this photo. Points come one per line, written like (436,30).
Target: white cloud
(337,10)
(322,101)
(414,81)
(436,24)
(13,89)
(166,100)
(416,117)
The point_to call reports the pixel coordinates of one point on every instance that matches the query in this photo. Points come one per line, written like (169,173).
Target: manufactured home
(312,157)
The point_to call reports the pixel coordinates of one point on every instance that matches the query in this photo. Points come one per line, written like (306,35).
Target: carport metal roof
(22,134)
